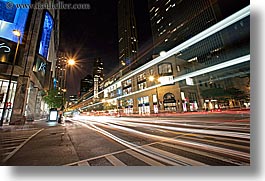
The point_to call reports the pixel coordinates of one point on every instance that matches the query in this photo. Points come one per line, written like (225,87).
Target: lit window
(165,69)
(167,2)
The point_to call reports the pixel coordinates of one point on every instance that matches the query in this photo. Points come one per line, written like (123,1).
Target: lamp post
(153,79)
(18,35)
(70,62)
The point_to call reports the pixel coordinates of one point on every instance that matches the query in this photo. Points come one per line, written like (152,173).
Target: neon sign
(7,49)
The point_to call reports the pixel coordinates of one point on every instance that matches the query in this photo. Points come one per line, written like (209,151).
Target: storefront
(11,96)
(143,105)
(169,102)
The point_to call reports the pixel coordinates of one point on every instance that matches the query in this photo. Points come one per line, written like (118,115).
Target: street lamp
(18,35)
(153,79)
(70,62)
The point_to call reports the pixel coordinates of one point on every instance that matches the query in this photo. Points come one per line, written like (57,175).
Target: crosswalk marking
(84,163)
(202,153)
(114,161)
(8,148)
(218,142)
(176,157)
(18,147)
(144,158)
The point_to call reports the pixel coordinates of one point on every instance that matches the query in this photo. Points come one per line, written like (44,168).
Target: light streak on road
(191,136)
(204,129)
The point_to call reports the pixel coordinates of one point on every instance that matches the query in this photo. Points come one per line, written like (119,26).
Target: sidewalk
(51,146)
(28,125)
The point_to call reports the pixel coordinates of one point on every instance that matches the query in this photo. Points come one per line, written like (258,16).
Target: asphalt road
(215,139)
(188,140)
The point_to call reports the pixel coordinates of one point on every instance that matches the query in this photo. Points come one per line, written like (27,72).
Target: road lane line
(203,153)
(227,152)
(174,156)
(143,158)
(130,145)
(220,143)
(115,161)
(83,163)
(160,157)
(20,146)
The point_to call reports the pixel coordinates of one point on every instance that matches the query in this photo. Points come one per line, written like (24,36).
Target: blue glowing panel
(46,35)
(7,13)
(12,18)
(54,83)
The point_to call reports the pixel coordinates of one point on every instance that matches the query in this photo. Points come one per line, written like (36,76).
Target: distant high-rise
(59,81)
(128,41)
(86,84)
(98,69)
(97,75)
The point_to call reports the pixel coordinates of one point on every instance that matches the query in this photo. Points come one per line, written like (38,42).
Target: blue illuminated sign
(46,35)
(12,18)
(54,83)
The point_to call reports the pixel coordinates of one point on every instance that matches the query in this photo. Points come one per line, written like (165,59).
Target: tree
(109,106)
(54,98)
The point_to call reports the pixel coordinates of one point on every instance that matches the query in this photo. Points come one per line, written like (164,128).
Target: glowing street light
(151,78)
(163,53)
(71,62)
(16,33)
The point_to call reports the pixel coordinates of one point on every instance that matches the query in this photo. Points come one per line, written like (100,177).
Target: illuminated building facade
(35,64)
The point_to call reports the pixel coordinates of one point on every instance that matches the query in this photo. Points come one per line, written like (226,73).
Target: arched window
(169,102)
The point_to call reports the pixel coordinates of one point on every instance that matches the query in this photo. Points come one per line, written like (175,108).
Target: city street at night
(125,83)
(192,139)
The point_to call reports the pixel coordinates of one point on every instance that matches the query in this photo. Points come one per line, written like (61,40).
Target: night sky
(87,34)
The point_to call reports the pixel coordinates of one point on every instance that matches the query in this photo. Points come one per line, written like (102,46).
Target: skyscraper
(128,41)
(98,69)
(86,84)
(175,21)
(97,75)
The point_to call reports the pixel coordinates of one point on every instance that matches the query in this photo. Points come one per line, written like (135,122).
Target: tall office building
(175,21)
(98,69)
(128,41)
(86,84)
(59,81)
(98,75)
